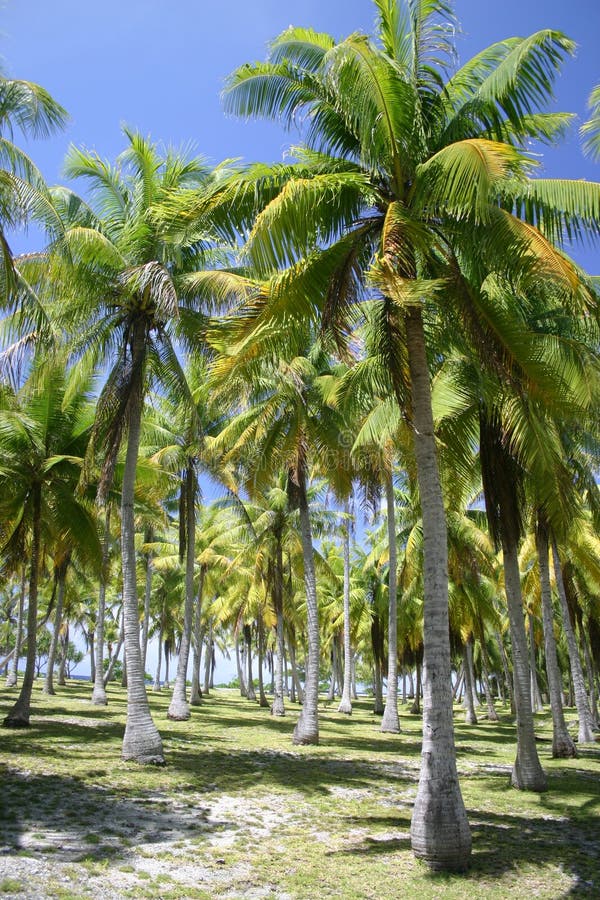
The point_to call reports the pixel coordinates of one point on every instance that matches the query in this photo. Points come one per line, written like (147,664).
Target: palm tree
(123,303)
(43,433)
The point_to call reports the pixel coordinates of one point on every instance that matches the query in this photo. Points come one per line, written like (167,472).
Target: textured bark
(562,743)
(536,695)
(147,599)
(141,741)
(346,701)
(13,672)
(61,576)
(99,691)
(307,726)
(390,721)
(470,715)
(19,715)
(440,833)
(179,708)
(196,693)
(586,723)
(527,771)
(262,700)
(278,706)
(250,692)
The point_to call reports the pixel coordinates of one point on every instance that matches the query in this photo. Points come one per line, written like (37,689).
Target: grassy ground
(239,812)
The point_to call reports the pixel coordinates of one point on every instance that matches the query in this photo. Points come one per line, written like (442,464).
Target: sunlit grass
(239,811)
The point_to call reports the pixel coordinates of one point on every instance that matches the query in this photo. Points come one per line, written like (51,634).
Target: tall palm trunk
(562,744)
(11,678)
(147,599)
(208,657)
(470,715)
(586,722)
(19,715)
(61,579)
(141,741)
(506,671)
(346,701)
(390,721)
(196,693)
(440,832)
(527,773)
(179,707)
(99,691)
(262,700)
(299,693)
(278,706)
(250,692)
(307,726)
(536,695)
(377,644)
(157,686)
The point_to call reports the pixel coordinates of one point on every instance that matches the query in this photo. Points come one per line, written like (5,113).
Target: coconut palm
(43,434)
(122,301)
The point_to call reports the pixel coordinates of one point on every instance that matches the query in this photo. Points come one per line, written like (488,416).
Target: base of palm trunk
(49,691)
(263,702)
(143,747)
(528,775)
(11,680)
(278,709)
(564,748)
(345,706)
(306,731)
(178,710)
(16,720)
(439,831)
(99,697)
(586,735)
(470,718)
(390,722)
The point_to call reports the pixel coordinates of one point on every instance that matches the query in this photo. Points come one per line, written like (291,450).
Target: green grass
(238,810)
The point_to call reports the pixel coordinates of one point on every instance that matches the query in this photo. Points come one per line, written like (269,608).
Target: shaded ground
(238,812)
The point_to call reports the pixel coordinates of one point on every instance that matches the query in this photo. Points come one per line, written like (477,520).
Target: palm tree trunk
(307,726)
(141,741)
(179,707)
(586,723)
(527,772)
(440,832)
(487,687)
(64,646)
(506,670)
(61,576)
(376,642)
(390,721)
(240,668)
(147,599)
(562,744)
(591,675)
(470,715)
(196,693)
(157,686)
(11,678)
(262,700)
(536,696)
(278,706)
(19,715)
(250,692)
(208,658)
(295,676)
(99,691)
(346,701)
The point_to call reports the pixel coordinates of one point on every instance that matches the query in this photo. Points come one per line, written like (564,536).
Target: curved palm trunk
(562,744)
(196,693)
(61,576)
(346,701)
(527,773)
(141,742)
(440,832)
(179,708)
(470,715)
(586,722)
(307,726)
(19,715)
(390,721)
(278,706)
(11,678)
(99,691)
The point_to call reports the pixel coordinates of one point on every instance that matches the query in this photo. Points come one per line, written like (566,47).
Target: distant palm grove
(385,328)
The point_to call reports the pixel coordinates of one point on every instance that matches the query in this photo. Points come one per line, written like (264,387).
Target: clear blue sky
(159,65)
